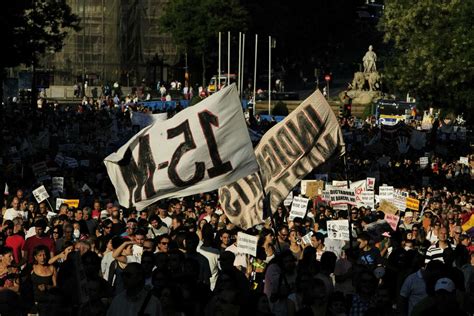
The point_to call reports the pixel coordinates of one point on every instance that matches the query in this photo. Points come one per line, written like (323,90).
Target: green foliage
(195,24)
(33,28)
(280,109)
(433,56)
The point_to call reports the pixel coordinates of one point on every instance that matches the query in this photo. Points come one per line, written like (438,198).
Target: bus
(390,112)
(211,88)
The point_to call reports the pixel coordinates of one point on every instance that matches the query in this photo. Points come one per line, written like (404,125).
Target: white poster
(247,244)
(386,192)
(424,162)
(370,184)
(307,238)
(289,199)
(298,207)
(338,229)
(340,195)
(367,199)
(464,161)
(200,149)
(40,194)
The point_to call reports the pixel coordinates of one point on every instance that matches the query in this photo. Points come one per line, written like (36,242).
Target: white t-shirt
(167,220)
(240,258)
(11,213)
(212,256)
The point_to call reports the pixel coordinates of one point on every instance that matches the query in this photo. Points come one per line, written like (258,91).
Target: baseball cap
(445,284)
(104,214)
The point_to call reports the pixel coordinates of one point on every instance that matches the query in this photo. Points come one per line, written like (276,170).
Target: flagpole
(217,84)
(228,59)
(242,67)
(255,74)
(240,58)
(269,75)
(267,209)
(348,206)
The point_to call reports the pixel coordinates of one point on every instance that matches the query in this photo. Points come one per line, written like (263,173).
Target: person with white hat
(407,224)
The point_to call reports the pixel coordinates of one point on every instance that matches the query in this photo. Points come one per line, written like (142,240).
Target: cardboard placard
(387,207)
(247,244)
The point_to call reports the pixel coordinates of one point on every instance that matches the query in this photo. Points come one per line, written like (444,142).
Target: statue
(369,61)
(374,80)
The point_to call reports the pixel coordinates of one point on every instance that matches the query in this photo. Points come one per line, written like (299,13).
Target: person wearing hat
(407,223)
(368,255)
(444,300)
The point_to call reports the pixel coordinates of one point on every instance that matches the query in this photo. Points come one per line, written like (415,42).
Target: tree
(433,51)
(195,24)
(32,28)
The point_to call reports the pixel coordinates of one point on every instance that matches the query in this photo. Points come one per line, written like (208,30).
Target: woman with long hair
(266,242)
(295,244)
(8,274)
(43,278)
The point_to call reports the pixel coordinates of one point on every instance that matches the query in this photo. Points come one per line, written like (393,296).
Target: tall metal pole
(255,73)
(228,59)
(83,45)
(240,60)
(242,88)
(269,75)
(217,84)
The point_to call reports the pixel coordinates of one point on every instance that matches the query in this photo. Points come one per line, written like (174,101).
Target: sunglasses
(55,232)
(108,227)
(164,243)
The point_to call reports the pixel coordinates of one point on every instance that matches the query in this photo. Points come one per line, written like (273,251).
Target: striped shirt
(435,252)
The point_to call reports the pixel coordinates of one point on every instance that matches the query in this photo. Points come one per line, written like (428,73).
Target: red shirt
(33,242)
(15,242)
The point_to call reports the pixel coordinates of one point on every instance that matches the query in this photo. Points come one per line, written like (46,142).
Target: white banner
(306,138)
(145,119)
(340,195)
(423,162)
(298,207)
(338,229)
(359,187)
(40,194)
(464,160)
(247,244)
(200,149)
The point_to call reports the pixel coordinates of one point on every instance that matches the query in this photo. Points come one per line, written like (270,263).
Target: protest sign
(306,138)
(392,220)
(289,199)
(69,202)
(338,229)
(341,195)
(413,204)
(298,207)
(40,194)
(387,207)
(322,176)
(40,170)
(59,159)
(314,188)
(307,238)
(367,199)
(200,149)
(247,244)
(58,184)
(370,184)
(386,192)
(339,183)
(464,161)
(399,201)
(85,188)
(423,162)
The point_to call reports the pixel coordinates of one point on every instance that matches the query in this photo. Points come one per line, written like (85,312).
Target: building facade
(120,40)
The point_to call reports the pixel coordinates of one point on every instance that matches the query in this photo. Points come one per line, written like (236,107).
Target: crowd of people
(181,257)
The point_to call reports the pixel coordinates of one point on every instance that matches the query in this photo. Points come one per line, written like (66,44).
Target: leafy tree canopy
(433,56)
(31,28)
(194,24)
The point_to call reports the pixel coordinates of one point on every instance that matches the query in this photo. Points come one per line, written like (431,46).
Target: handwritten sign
(314,188)
(387,207)
(413,204)
(298,208)
(40,194)
(247,244)
(338,229)
(392,220)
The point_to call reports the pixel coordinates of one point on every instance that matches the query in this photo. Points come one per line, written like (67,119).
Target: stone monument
(365,86)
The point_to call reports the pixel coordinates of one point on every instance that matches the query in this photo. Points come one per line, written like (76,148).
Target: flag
(200,149)
(5,192)
(305,139)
